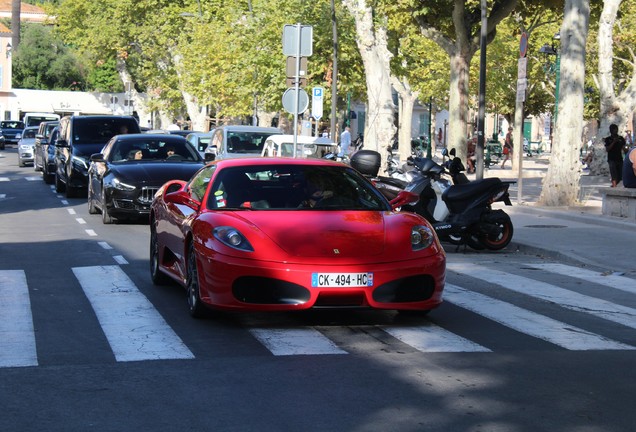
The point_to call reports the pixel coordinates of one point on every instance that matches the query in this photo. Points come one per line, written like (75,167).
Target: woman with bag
(507,148)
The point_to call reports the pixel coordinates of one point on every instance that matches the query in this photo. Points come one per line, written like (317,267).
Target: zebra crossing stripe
(531,323)
(133,327)
(300,341)
(17,336)
(565,298)
(432,338)
(613,281)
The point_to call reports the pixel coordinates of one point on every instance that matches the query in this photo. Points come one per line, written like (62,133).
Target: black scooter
(461,213)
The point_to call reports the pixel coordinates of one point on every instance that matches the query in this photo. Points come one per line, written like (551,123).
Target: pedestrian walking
(614,144)
(507,148)
(345,142)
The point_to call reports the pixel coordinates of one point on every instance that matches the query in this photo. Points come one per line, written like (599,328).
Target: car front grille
(147,194)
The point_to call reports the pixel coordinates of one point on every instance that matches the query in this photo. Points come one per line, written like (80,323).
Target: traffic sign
(289,100)
(316,102)
(290,40)
(290,68)
(523,44)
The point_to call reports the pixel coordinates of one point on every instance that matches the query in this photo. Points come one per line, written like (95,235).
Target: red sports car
(279,234)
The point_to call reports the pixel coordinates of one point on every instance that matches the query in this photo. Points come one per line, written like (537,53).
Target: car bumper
(123,204)
(239,284)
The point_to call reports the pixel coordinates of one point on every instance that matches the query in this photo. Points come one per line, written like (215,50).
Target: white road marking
(105,245)
(33,178)
(432,338)
(65,202)
(133,327)
(299,341)
(562,297)
(120,259)
(4,179)
(531,323)
(17,336)
(80,221)
(71,211)
(613,281)
(91,233)
(3,196)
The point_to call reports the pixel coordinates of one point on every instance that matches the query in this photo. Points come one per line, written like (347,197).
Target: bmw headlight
(421,237)
(79,163)
(118,184)
(233,238)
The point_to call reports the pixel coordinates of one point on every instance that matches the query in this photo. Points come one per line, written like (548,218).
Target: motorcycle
(460,211)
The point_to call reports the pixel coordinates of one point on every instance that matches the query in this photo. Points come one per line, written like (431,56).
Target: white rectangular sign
(316,102)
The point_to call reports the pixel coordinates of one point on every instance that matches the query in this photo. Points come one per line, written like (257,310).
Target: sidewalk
(579,233)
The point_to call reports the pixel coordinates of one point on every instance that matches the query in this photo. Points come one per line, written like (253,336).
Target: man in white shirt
(345,142)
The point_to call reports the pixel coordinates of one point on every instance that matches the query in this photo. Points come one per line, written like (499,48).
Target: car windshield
(100,130)
(246,142)
(294,187)
(12,124)
(149,149)
(29,133)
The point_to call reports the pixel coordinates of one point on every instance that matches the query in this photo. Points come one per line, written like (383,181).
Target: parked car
(48,169)
(124,177)
(281,234)
(238,141)
(306,146)
(80,137)
(42,143)
(200,141)
(11,130)
(26,146)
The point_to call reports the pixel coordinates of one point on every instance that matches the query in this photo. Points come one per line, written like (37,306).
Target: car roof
(300,139)
(146,136)
(246,128)
(268,161)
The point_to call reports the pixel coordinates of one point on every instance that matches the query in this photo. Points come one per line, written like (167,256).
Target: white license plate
(341,279)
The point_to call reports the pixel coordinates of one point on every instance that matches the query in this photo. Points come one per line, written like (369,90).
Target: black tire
(48,178)
(158,278)
(475,243)
(71,192)
(59,186)
(92,209)
(197,309)
(106,218)
(502,240)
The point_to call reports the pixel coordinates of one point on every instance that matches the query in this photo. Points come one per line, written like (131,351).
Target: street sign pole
(297,86)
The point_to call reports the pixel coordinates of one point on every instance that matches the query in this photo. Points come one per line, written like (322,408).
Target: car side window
(199,183)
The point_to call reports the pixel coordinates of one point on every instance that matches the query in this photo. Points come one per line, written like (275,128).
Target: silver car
(26,145)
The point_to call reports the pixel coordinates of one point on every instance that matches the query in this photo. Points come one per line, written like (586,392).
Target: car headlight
(118,184)
(25,147)
(421,237)
(79,162)
(233,238)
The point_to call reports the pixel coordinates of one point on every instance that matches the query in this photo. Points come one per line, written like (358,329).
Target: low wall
(619,202)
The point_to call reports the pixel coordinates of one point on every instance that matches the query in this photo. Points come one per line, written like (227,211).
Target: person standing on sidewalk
(629,169)
(507,148)
(345,142)
(614,144)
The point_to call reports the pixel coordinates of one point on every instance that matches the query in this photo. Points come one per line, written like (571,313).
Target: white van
(306,146)
(238,141)
(35,118)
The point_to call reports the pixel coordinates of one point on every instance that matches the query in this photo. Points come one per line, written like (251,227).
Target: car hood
(154,173)
(323,233)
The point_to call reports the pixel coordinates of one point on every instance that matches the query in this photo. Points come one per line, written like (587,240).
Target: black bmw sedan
(123,178)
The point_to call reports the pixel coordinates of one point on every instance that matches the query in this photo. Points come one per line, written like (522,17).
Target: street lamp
(549,68)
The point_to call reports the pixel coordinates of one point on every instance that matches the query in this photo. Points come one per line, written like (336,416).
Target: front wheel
(197,309)
(501,239)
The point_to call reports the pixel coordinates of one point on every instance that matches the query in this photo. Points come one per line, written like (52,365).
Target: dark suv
(80,137)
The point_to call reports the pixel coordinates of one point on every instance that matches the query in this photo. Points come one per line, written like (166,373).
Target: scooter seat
(468,190)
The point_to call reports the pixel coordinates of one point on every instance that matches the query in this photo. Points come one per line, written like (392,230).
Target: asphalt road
(88,343)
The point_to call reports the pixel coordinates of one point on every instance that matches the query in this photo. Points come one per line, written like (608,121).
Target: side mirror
(181,197)
(404,198)
(210,157)
(61,143)
(39,136)
(97,157)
